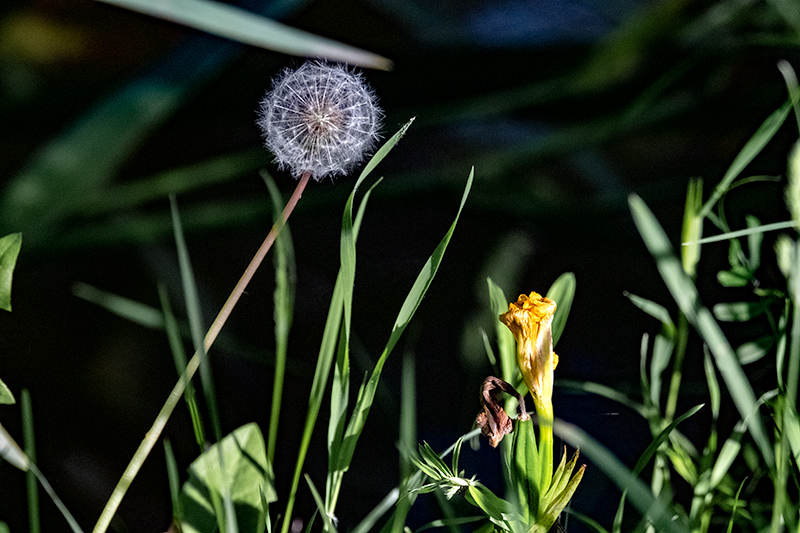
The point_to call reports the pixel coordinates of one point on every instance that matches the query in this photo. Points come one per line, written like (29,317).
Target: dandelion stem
(177,392)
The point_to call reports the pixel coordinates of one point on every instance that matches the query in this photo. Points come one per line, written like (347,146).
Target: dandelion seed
(321,118)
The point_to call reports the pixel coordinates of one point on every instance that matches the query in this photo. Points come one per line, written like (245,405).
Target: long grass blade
(638,493)
(685,295)
(410,305)
(760,138)
(284,309)
(239,25)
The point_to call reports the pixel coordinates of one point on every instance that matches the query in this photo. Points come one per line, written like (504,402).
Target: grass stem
(160,422)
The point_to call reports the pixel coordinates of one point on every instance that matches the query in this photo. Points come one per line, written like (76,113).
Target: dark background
(563,108)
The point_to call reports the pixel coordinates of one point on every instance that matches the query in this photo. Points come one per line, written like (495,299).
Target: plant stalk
(174,397)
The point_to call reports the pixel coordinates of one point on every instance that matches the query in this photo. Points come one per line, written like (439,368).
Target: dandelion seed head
(321,118)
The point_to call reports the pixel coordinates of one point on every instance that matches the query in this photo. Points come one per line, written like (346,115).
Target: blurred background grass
(563,107)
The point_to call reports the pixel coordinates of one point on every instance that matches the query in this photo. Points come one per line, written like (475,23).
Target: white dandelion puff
(321,118)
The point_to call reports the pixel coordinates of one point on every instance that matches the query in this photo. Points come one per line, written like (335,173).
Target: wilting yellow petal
(530,319)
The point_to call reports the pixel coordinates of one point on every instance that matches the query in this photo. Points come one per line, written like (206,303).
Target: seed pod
(321,118)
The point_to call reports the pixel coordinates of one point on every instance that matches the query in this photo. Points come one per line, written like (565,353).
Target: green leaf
(496,509)
(326,519)
(657,311)
(249,28)
(525,467)
(685,294)
(735,277)
(739,311)
(562,291)
(413,299)
(752,351)
(506,346)
(9,251)
(248,473)
(750,150)
(6,396)
(638,493)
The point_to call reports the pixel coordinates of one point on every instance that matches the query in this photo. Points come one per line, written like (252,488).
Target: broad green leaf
(247,474)
(525,467)
(9,251)
(239,25)
(750,150)
(685,294)
(562,291)
(739,311)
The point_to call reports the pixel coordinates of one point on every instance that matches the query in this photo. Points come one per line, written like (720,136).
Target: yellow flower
(530,319)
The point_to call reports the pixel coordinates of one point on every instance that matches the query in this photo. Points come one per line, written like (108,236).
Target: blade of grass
(326,519)
(408,436)
(284,310)
(638,493)
(239,25)
(179,357)
(174,482)
(760,138)
(742,232)
(410,305)
(30,451)
(157,427)
(685,294)
(329,336)
(562,291)
(224,514)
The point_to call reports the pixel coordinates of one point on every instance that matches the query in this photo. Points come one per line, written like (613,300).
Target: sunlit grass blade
(283,298)
(754,230)
(750,150)
(249,28)
(326,519)
(29,442)
(685,295)
(562,291)
(332,326)
(409,307)
(637,492)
